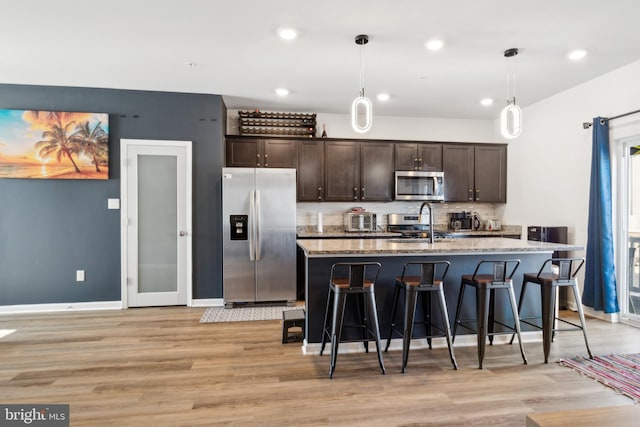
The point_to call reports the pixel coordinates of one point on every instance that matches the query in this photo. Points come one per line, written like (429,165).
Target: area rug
(621,372)
(243,314)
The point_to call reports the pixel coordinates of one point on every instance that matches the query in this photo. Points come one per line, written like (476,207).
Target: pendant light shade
(511,115)
(361,109)
(511,120)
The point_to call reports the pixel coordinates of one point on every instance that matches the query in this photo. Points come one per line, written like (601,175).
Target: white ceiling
(235,52)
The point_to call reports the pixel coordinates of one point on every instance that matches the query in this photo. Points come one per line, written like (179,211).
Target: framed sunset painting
(54,144)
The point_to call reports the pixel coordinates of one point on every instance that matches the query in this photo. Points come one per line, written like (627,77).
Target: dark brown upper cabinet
(490,166)
(358,171)
(376,171)
(418,157)
(475,173)
(311,171)
(251,152)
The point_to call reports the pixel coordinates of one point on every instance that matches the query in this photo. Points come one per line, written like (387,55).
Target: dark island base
(317,285)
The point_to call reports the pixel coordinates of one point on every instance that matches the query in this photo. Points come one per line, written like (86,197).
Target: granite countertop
(391,247)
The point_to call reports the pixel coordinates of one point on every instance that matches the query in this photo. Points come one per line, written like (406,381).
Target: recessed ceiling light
(486,102)
(434,44)
(281,91)
(576,55)
(287,33)
(383,97)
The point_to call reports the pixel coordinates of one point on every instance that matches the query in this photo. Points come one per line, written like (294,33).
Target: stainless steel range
(409,225)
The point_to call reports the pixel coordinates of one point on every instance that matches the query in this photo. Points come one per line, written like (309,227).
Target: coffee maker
(463,221)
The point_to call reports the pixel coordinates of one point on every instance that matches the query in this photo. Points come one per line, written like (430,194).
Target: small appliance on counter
(463,221)
(358,220)
(493,225)
(408,225)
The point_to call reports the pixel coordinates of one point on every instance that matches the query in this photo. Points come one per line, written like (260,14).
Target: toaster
(360,221)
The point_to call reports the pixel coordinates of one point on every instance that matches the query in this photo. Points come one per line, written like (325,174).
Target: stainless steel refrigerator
(259,232)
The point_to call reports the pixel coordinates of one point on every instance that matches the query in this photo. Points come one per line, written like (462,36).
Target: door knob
(183,233)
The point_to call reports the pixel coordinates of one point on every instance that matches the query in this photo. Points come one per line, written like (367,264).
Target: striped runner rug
(620,372)
(244,314)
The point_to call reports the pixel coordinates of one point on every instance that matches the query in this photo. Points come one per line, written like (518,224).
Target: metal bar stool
(549,282)
(430,279)
(485,286)
(356,279)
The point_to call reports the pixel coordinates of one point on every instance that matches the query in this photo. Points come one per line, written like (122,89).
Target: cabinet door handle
(355,193)
(420,163)
(258,162)
(319,193)
(362,193)
(470,194)
(477,194)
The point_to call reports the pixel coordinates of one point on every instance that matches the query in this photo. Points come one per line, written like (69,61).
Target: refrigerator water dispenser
(238,227)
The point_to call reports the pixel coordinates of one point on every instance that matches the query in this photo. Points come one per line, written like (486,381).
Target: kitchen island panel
(319,268)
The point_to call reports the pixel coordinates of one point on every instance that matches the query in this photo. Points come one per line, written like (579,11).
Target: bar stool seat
(430,279)
(352,279)
(549,282)
(485,286)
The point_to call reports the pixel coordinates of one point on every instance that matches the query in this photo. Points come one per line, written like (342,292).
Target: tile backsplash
(332,213)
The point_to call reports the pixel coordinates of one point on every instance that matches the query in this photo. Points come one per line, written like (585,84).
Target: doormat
(621,372)
(243,314)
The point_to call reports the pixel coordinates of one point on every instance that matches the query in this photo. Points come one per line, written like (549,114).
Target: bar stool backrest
(357,272)
(501,273)
(430,271)
(567,268)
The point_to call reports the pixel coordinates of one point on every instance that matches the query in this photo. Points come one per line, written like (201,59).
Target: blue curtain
(600,278)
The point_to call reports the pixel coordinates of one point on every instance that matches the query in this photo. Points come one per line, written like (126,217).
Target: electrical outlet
(79,275)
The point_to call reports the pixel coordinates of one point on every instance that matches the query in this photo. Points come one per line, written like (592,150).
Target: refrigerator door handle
(251,231)
(257,222)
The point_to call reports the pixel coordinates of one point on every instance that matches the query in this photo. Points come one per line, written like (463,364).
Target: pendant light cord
(362,70)
(511,78)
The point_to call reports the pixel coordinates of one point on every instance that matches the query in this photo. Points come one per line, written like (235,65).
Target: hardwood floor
(160,366)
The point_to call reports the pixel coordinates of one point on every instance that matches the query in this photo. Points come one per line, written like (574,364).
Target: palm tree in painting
(92,142)
(56,142)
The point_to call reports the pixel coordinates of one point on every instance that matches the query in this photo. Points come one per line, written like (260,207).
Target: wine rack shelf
(275,123)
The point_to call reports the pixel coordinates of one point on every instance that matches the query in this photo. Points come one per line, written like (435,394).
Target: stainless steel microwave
(419,185)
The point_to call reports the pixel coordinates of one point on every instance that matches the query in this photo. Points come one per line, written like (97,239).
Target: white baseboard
(60,307)
(207,302)
(419,343)
(607,317)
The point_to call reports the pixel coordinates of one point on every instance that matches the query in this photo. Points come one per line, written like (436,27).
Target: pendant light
(361,105)
(511,115)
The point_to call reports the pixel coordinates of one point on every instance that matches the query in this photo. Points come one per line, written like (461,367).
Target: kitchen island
(464,254)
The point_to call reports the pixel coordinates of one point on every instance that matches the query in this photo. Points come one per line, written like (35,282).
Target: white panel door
(156,212)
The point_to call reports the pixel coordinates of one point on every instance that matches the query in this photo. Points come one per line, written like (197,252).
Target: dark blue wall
(51,228)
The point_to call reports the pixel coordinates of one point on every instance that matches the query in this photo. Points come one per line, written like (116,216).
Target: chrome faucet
(430,218)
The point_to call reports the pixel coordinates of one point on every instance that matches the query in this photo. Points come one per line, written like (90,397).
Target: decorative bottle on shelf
(324,130)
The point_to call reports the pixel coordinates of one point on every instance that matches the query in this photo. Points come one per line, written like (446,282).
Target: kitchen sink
(411,240)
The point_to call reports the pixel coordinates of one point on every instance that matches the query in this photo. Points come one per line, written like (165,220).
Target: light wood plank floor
(160,366)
